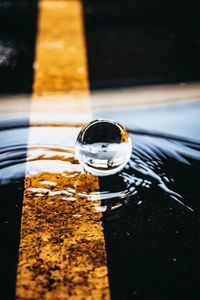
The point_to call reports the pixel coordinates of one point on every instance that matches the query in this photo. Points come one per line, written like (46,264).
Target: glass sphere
(103,147)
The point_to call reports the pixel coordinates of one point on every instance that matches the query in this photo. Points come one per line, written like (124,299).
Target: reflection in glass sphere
(103,147)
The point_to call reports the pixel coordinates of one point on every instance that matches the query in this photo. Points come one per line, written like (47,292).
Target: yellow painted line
(62,249)
(60,65)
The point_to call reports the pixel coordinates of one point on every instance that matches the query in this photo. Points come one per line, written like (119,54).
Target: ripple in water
(164,167)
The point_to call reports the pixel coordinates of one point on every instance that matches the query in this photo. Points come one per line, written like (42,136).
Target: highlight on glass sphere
(103,147)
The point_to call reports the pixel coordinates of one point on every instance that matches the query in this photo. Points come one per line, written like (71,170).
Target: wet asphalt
(128,44)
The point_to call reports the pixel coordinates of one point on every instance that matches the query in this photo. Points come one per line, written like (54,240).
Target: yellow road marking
(60,64)
(62,249)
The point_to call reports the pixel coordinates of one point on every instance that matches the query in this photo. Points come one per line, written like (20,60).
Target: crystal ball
(103,147)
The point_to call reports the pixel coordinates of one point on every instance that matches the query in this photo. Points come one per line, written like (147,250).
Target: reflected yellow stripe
(62,249)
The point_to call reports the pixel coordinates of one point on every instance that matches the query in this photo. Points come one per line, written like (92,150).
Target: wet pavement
(152,243)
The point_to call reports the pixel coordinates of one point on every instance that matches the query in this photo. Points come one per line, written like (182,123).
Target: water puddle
(159,165)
